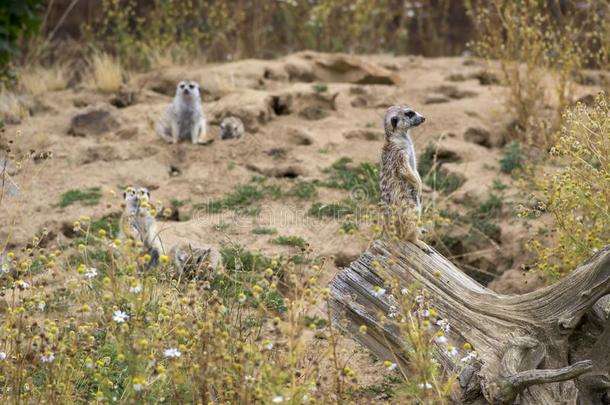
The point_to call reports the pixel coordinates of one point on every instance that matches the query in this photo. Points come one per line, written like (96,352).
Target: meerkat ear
(394,121)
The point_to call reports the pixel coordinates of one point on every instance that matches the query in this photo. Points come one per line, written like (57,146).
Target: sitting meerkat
(184,118)
(231,128)
(401,186)
(138,224)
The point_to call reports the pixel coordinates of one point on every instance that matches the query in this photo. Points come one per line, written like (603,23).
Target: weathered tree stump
(550,346)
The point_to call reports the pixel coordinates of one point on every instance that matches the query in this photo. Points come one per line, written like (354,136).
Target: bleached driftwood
(550,346)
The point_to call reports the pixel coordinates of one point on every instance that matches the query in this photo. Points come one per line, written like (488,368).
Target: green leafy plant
(512,158)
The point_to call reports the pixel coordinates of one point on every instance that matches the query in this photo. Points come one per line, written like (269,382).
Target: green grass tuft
(290,241)
(332,210)
(264,231)
(512,159)
(87,197)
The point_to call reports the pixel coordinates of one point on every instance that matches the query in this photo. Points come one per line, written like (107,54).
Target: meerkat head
(131,198)
(230,128)
(187,89)
(400,118)
(135,197)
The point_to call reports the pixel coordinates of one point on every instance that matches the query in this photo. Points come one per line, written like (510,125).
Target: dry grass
(106,72)
(12,108)
(39,80)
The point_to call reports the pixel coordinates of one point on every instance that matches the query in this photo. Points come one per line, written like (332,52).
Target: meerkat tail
(154,259)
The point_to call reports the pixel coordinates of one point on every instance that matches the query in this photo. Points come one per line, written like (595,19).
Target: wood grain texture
(550,346)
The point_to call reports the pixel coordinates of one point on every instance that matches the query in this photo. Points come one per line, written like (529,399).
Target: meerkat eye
(410,114)
(191,86)
(182,85)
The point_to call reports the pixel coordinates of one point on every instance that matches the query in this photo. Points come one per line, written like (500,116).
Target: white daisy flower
(22,284)
(2,356)
(135,289)
(172,352)
(452,351)
(277,399)
(404,291)
(42,305)
(47,357)
(378,291)
(425,386)
(4,268)
(138,387)
(440,339)
(90,272)
(120,316)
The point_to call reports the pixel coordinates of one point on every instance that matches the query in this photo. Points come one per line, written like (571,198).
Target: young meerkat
(138,224)
(184,118)
(401,186)
(231,128)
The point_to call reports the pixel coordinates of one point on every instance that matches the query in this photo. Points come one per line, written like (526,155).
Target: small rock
(454,92)
(277,153)
(587,100)
(298,136)
(478,135)
(93,121)
(251,106)
(364,134)
(127,132)
(299,70)
(350,69)
(359,102)
(486,78)
(456,77)
(124,98)
(314,113)
(436,100)
(104,153)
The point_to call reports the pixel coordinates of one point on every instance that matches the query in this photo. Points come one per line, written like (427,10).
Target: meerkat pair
(400,183)
(138,224)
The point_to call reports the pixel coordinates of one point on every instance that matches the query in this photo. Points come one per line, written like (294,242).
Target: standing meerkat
(138,224)
(183,119)
(231,128)
(401,186)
